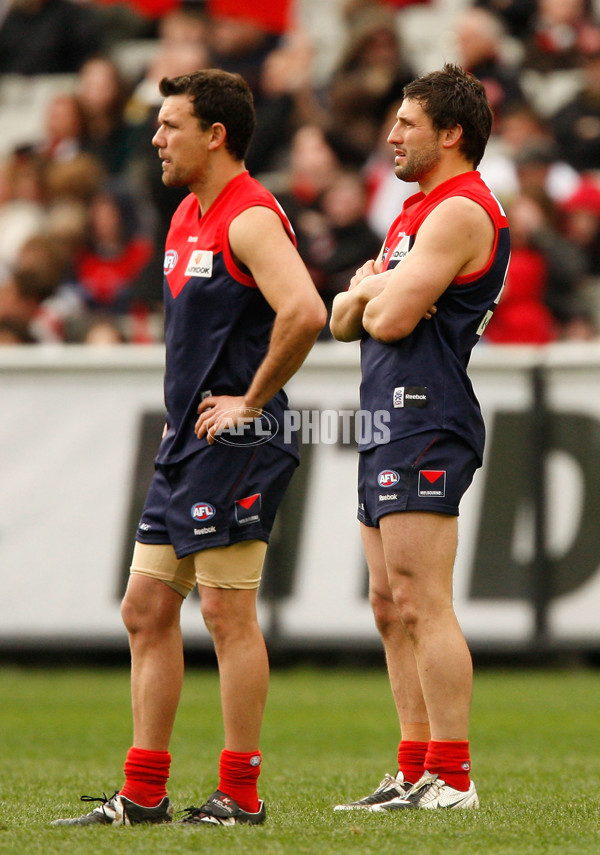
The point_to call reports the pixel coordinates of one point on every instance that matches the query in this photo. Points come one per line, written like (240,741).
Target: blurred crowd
(84,213)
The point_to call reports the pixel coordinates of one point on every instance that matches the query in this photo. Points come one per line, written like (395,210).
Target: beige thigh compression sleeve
(238,566)
(160,562)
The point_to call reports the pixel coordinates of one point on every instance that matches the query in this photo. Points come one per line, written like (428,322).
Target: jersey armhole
(477,274)
(241,276)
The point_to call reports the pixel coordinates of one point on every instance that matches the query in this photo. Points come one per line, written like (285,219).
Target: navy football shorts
(426,472)
(218,496)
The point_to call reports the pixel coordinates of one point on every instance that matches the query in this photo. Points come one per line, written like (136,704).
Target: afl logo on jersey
(170,261)
(388,478)
(202,511)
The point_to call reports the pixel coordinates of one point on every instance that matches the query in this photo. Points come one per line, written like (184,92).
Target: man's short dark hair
(218,96)
(453,97)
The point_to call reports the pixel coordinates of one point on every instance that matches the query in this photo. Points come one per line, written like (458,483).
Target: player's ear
(218,135)
(451,136)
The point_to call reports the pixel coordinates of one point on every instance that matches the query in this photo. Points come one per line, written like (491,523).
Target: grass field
(329,734)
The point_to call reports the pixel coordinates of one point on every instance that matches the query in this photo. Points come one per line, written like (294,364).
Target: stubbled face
(181,143)
(417,146)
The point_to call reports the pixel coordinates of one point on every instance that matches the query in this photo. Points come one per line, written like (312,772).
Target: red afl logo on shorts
(170,261)
(202,511)
(388,478)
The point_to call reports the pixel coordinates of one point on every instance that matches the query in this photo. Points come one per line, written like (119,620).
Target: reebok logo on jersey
(210,529)
(410,396)
(248,510)
(432,482)
(200,263)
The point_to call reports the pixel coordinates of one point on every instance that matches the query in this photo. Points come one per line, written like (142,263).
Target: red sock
(411,759)
(146,775)
(238,774)
(451,761)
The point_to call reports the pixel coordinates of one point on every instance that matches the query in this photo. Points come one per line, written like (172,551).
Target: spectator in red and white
(522,316)
(115,254)
(561,29)
(522,153)
(63,130)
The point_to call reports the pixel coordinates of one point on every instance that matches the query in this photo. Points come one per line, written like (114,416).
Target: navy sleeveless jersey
(217,322)
(421,380)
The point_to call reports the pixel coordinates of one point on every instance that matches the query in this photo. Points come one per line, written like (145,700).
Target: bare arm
(348,307)
(258,241)
(455,239)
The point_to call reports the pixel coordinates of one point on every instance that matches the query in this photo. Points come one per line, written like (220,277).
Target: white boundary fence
(79,427)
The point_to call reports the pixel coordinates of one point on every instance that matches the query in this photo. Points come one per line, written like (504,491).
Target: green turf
(329,735)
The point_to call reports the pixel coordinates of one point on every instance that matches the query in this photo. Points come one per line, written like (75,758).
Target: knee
(216,616)
(393,612)
(151,611)
(131,613)
(405,603)
(228,616)
(385,613)
(396,606)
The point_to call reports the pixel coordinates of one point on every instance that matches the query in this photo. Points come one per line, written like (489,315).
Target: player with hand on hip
(241,314)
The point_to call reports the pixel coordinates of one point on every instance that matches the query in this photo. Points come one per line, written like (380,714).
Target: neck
(444,173)
(213,182)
